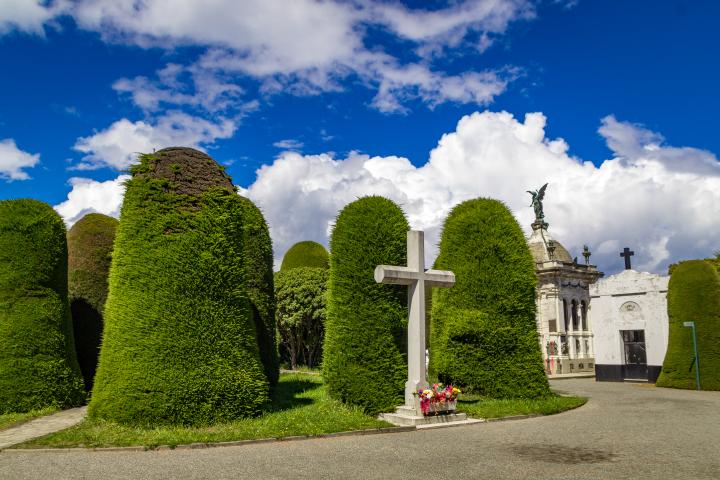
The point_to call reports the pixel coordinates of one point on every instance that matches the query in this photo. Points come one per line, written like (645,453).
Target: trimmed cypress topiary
(301,311)
(180,345)
(693,295)
(303,276)
(260,286)
(365,351)
(305,254)
(90,243)
(483,335)
(38,367)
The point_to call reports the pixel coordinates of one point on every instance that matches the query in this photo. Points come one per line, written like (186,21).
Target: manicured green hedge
(483,336)
(693,295)
(365,358)
(90,243)
(180,342)
(260,288)
(301,312)
(305,254)
(38,367)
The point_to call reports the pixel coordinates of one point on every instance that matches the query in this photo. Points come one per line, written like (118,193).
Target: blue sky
(342,99)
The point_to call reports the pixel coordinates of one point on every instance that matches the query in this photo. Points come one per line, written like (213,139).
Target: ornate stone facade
(563,303)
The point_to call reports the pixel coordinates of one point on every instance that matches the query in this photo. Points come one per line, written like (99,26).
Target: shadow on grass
(287,394)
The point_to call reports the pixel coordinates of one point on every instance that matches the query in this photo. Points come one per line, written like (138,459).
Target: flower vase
(440,408)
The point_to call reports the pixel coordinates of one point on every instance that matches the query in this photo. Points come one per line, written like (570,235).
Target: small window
(631,336)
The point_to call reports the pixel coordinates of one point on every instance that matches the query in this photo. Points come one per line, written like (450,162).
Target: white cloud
(90,196)
(632,142)
(27,16)
(638,198)
(448,26)
(666,208)
(119,144)
(301,47)
(207,90)
(289,144)
(397,84)
(13,161)
(265,34)
(568,4)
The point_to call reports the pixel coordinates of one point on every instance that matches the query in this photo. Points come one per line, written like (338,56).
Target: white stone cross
(416,278)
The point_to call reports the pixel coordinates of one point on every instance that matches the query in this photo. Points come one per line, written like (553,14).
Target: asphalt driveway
(628,431)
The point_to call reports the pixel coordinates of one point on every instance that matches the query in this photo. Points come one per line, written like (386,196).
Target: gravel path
(626,431)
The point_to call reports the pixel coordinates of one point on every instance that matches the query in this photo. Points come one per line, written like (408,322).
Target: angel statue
(537,198)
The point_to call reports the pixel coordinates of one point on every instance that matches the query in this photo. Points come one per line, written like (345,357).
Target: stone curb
(517,417)
(194,446)
(571,376)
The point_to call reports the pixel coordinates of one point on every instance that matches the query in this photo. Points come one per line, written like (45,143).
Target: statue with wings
(537,198)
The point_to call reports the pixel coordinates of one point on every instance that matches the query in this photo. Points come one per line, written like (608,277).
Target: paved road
(626,431)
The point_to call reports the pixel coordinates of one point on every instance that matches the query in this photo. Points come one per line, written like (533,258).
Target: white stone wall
(629,301)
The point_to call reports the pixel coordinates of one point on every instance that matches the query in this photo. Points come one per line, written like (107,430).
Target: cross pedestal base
(408,416)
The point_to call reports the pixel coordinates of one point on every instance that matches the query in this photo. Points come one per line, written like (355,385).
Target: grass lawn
(8,420)
(480,407)
(301,407)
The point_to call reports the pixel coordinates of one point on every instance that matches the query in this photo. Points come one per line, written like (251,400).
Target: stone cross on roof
(627,253)
(416,278)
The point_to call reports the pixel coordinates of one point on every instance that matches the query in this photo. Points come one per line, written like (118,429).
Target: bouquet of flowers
(438,398)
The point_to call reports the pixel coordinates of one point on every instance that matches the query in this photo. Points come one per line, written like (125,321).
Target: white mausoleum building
(630,323)
(564,326)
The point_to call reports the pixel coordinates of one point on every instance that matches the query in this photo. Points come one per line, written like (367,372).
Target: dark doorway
(87,329)
(635,354)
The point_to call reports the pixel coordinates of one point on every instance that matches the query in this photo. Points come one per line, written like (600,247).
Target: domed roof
(538,243)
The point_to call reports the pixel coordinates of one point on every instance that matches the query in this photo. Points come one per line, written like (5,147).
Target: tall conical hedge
(305,254)
(365,351)
(38,367)
(483,335)
(90,243)
(180,344)
(693,295)
(301,295)
(301,288)
(260,286)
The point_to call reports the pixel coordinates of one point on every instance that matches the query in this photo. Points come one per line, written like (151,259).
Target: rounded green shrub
(180,343)
(258,255)
(301,310)
(365,357)
(693,295)
(38,367)
(483,336)
(90,243)
(305,254)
